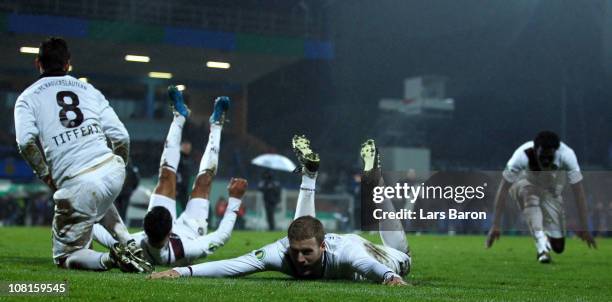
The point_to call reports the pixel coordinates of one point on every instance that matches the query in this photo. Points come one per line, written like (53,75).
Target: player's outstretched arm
(583,231)
(240,266)
(269,258)
(236,190)
(500,201)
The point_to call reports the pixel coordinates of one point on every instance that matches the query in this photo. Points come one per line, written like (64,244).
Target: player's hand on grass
(237,187)
(169,274)
(395,281)
(492,236)
(587,238)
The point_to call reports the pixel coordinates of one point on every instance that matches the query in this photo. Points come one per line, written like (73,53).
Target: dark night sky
(507,63)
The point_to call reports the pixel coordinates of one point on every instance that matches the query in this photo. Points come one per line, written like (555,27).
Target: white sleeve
(26,133)
(570,162)
(114,129)
(268,258)
(367,266)
(517,163)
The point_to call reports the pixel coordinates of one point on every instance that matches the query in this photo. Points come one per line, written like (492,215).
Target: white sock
(106,261)
(542,244)
(391,231)
(86,259)
(172,149)
(306,198)
(534,219)
(210,159)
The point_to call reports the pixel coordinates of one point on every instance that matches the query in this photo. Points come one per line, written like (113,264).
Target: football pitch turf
(445,268)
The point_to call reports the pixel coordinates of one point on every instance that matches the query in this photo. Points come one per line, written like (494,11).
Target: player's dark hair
(157,224)
(547,140)
(306,227)
(53,54)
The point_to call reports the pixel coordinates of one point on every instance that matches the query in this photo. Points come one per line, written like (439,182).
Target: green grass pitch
(444,268)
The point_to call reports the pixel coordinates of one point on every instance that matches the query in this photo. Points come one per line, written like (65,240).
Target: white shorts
(550,203)
(193,220)
(81,202)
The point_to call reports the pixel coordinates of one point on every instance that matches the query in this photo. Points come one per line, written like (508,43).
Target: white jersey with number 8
(71,120)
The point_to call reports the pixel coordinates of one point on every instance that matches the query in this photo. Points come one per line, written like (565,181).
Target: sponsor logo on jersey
(260,254)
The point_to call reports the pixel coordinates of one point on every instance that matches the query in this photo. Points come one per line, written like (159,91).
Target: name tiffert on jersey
(61,82)
(69,135)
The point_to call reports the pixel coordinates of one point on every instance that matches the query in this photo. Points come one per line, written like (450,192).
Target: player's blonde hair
(306,227)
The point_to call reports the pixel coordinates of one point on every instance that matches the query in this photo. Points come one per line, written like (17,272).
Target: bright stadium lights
(181,87)
(220,65)
(84,80)
(26,49)
(160,75)
(135,58)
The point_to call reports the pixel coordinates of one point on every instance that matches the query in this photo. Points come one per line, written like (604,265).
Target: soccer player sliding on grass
(307,252)
(535,177)
(167,240)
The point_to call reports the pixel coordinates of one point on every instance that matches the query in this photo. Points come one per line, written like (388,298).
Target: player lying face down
(307,252)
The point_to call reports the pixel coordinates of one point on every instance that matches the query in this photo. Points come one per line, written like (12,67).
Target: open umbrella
(274,162)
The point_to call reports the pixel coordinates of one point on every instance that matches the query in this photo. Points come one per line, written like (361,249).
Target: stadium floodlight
(84,80)
(220,65)
(160,75)
(181,87)
(135,58)
(26,49)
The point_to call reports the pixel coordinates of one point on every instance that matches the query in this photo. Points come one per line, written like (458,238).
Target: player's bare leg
(391,230)
(309,165)
(198,205)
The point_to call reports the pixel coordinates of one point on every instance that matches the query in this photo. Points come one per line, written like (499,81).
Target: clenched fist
(237,187)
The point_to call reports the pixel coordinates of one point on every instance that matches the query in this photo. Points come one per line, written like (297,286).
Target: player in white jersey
(535,177)
(307,252)
(71,121)
(167,240)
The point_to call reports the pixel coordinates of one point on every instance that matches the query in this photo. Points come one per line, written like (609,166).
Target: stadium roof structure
(99,47)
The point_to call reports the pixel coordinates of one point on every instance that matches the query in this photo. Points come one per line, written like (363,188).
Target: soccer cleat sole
(369,155)
(305,155)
